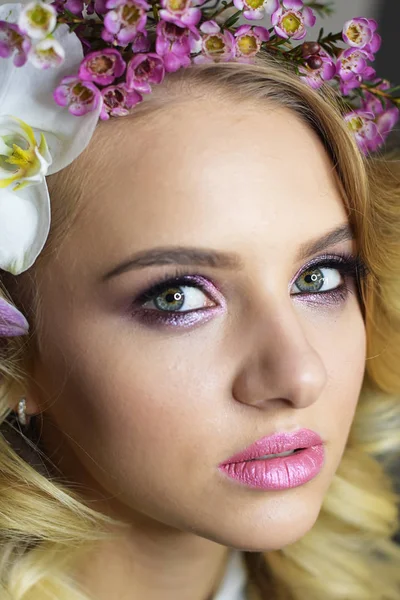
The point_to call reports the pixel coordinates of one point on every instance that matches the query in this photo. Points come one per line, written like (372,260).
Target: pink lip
(278,473)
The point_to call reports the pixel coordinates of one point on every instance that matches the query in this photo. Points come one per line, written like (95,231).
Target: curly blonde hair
(350,553)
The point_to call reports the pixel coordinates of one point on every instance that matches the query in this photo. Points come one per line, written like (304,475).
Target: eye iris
(170,296)
(314,280)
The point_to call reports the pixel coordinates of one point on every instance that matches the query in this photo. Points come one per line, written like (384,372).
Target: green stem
(380,94)
(155,13)
(322,8)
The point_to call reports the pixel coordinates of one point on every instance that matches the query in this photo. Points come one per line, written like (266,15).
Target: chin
(273,528)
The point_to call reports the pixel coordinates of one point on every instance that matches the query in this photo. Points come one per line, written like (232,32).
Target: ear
(35,397)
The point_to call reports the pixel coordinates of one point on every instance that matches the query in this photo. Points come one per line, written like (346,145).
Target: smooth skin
(143,415)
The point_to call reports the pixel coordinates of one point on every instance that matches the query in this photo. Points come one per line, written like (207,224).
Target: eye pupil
(313,278)
(170,296)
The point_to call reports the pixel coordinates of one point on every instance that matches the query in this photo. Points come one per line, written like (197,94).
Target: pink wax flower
(140,43)
(98,6)
(254,10)
(117,101)
(46,54)
(74,6)
(352,68)
(182,13)
(364,128)
(102,67)
(79,96)
(142,70)
(361,33)
(372,103)
(13,40)
(290,20)
(353,62)
(386,115)
(217,46)
(319,68)
(124,19)
(173,44)
(249,40)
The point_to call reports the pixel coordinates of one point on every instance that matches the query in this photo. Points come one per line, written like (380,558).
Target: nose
(280,364)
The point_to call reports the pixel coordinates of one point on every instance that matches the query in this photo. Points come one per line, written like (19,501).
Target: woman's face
(147,403)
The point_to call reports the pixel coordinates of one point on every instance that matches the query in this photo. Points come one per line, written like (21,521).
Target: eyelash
(350,267)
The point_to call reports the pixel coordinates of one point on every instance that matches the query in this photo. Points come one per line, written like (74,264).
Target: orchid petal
(24,227)
(27,93)
(12,321)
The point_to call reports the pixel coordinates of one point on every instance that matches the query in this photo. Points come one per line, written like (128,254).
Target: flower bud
(315,62)
(310,48)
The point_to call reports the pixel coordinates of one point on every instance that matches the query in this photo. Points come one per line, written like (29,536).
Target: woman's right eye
(177,298)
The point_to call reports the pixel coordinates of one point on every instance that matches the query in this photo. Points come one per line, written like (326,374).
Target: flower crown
(66,63)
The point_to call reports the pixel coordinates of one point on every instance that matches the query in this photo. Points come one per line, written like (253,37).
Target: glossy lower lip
(280,473)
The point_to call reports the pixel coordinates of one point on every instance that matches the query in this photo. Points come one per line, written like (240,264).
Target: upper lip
(276,444)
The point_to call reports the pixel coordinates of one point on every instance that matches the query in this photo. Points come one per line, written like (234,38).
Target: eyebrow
(178,255)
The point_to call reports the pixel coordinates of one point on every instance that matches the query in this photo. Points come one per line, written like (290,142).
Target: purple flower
(182,13)
(74,6)
(173,44)
(361,33)
(124,20)
(365,130)
(254,10)
(217,46)
(98,6)
(249,40)
(141,43)
(102,67)
(386,121)
(117,101)
(319,68)
(13,40)
(386,114)
(79,96)
(291,20)
(352,67)
(142,70)
(12,321)
(371,102)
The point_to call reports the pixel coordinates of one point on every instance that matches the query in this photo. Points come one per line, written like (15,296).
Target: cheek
(127,407)
(345,357)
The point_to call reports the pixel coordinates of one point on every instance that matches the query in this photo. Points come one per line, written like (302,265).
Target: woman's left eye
(318,279)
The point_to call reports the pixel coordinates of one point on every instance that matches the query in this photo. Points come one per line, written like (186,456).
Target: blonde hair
(349,553)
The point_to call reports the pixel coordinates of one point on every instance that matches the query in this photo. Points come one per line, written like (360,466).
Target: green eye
(311,280)
(318,279)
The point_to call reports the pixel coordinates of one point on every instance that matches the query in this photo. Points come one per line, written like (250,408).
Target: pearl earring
(22,411)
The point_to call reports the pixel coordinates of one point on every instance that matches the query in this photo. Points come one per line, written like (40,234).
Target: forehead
(206,174)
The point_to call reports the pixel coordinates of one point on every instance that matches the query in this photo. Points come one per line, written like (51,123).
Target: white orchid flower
(22,160)
(48,140)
